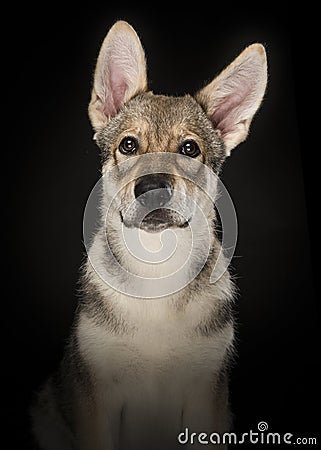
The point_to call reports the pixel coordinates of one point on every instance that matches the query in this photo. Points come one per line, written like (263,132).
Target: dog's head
(155,145)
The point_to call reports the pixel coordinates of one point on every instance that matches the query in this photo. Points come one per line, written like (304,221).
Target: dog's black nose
(153,191)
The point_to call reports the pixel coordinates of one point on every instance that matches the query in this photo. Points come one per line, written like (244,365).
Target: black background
(53,164)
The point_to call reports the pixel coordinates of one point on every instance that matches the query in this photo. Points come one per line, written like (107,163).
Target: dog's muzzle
(153,191)
(152,209)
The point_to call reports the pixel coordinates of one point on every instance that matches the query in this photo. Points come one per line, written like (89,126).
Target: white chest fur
(158,373)
(161,340)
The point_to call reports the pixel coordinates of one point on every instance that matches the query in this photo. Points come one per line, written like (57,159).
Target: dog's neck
(148,264)
(103,285)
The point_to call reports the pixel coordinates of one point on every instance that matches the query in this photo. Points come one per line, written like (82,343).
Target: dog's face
(156,145)
(159,145)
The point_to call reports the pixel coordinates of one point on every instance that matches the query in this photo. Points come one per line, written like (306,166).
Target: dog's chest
(156,352)
(146,379)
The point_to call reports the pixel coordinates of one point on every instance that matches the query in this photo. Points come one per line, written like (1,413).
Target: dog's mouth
(162,218)
(157,220)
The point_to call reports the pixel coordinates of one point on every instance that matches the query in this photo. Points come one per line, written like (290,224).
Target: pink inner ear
(118,94)
(117,91)
(225,115)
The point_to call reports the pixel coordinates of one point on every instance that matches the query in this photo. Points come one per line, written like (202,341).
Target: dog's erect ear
(233,97)
(120,73)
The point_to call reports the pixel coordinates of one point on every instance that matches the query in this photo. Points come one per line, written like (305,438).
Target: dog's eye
(190,148)
(128,145)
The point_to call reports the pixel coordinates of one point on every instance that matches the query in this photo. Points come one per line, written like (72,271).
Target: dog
(149,353)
